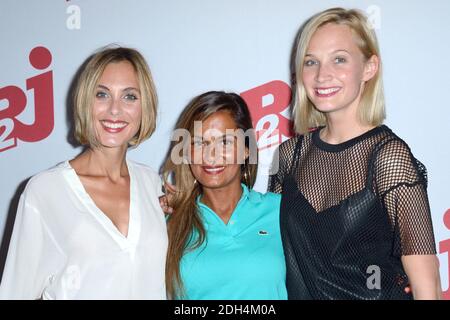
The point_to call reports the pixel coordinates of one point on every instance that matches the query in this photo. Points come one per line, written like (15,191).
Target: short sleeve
(275,179)
(282,162)
(401,182)
(29,261)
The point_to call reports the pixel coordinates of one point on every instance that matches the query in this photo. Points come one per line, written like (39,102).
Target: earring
(247,175)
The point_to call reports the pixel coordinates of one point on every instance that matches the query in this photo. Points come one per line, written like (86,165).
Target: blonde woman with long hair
(355,218)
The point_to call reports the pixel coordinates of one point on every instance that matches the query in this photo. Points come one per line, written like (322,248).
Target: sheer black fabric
(348,211)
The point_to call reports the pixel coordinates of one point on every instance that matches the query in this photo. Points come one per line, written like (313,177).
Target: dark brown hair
(186,222)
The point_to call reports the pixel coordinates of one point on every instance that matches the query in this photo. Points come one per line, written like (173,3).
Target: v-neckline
(233,215)
(107,224)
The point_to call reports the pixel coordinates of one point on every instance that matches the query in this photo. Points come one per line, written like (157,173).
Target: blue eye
(310,63)
(101,94)
(131,97)
(340,60)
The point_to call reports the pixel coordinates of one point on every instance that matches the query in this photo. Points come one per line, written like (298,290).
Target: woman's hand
(164,201)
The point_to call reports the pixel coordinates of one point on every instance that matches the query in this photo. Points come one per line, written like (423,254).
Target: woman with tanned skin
(224,237)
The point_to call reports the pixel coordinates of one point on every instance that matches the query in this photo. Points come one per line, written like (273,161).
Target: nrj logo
(13,103)
(444,248)
(269,104)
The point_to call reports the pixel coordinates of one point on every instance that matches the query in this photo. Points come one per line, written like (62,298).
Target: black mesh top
(348,211)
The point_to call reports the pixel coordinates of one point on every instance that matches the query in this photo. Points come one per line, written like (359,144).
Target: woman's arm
(423,274)
(401,181)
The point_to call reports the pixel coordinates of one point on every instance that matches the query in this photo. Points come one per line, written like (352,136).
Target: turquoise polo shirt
(240,260)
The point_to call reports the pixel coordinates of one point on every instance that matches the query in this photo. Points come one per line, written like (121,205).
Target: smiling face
(214,152)
(117,107)
(335,70)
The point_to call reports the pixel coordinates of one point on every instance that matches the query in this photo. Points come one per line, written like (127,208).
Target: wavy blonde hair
(372,106)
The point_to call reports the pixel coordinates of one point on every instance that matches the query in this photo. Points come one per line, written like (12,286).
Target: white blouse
(64,247)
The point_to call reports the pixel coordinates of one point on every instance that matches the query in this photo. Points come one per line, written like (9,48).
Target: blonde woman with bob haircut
(92,227)
(355,218)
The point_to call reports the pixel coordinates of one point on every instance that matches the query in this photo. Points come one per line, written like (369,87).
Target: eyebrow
(341,50)
(126,89)
(335,51)
(219,137)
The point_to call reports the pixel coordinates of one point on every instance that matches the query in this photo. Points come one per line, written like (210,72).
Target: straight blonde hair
(84,94)
(372,106)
